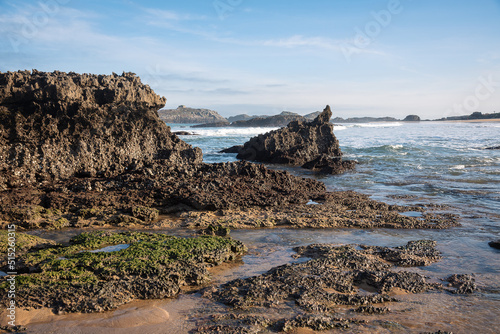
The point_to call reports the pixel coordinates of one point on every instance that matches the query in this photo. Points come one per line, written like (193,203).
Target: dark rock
(329,165)
(57,125)
(370,309)
(493,148)
(144,213)
(495,244)
(166,187)
(233,149)
(298,144)
(333,276)
(412,118)
(462,284)
(184,133)
(184,114)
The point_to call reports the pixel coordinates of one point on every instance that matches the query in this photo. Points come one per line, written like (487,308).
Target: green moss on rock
(152,266)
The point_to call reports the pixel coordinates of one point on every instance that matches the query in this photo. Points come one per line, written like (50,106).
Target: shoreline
(492,120)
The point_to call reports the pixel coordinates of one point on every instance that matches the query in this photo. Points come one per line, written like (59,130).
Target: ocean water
(428,162)
(442,162)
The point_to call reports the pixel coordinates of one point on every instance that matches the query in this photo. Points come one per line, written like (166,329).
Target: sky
(432,58)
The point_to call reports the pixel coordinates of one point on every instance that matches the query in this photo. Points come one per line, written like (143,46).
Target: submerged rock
(58,125)
(309,144)
(495,244)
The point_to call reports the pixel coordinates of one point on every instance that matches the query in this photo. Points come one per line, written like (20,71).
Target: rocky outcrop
(185,114)
(494,244)
(412,118)
(312,145)
(57,125)
(169,188)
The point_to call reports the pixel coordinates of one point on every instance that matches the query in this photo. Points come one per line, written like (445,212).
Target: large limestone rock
(57,125)
(311,145)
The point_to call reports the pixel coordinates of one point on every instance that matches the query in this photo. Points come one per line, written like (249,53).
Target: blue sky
(365,58)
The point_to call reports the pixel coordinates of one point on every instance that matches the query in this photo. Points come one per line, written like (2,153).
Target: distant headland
(210,118)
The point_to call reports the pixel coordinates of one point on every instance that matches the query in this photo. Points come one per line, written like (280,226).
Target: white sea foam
(375,125)
(459,167)
(231,132)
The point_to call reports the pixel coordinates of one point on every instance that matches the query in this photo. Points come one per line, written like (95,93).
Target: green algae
(147,256)
(23,242)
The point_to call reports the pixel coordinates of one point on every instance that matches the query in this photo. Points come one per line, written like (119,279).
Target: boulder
(309,144)
(58,125)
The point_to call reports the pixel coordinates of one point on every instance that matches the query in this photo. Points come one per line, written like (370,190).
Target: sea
(405,163)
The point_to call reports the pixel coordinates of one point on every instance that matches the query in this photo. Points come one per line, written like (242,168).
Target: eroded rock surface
(169,188)
(57,125)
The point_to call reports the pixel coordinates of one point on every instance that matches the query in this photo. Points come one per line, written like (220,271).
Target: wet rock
(370,309)
(462,284)
(215,230)
(144,213)
(337,209)
(297,144)
(495,244)
(13,329)
(233,149)
(58,125)
(184,133)
(332,277)
(329,165)
(316,322)
(165,187)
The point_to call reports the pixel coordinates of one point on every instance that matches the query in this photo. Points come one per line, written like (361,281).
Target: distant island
(210,118)
(185,114)
(474,116)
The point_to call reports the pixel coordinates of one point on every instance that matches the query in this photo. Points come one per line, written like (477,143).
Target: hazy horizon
(365,58)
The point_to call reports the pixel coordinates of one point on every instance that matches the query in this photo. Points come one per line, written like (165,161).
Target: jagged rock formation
(57,125)
(184,114)
(311,145)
